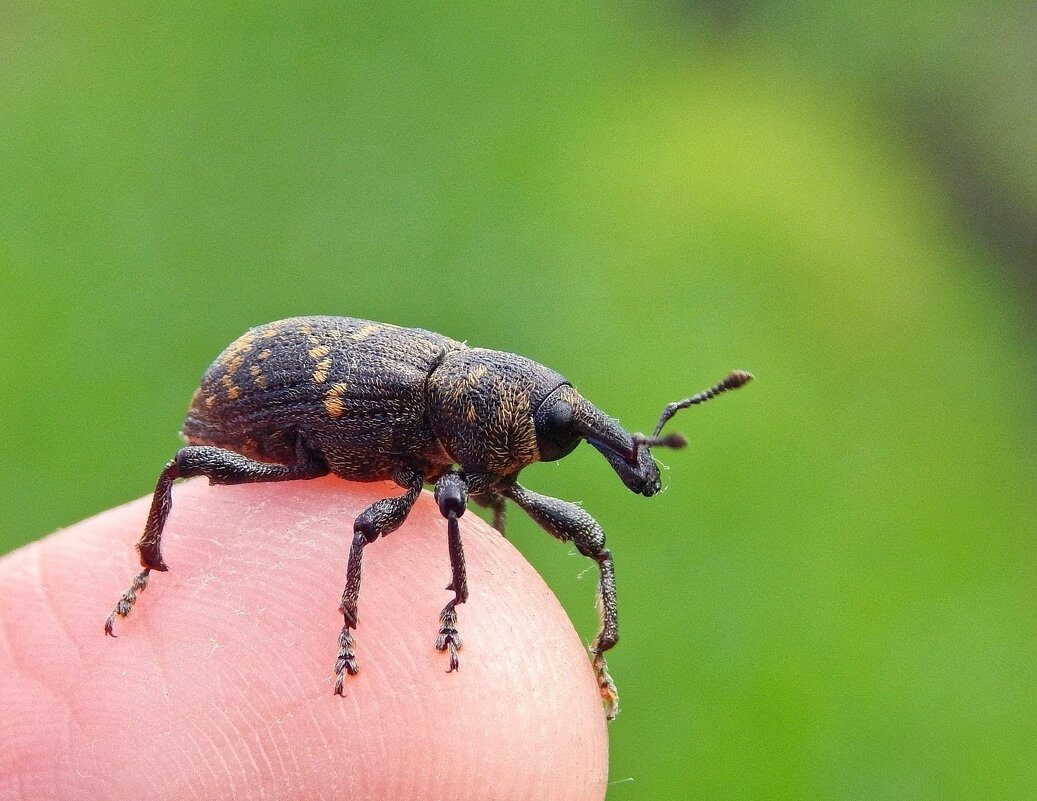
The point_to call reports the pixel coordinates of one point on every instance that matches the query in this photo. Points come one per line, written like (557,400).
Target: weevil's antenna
(669,441)
(736,379)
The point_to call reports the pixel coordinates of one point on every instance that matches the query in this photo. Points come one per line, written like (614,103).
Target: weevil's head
(496,413)
(565,418)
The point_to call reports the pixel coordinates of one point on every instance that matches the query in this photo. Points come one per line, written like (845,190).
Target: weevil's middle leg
(495,503)
(220,467)
(452,497)
(377,520)
(569,523)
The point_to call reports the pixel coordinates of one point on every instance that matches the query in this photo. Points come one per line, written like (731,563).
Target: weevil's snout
(629,456)
(642,478)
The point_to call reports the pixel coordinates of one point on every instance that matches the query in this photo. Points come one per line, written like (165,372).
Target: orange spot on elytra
(320,375)
(235,353)
(233,391)
(365,331)
(258,377)
(333,400)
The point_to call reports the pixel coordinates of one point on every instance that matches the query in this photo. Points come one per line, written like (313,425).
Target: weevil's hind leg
(377,520)
(150,545)
(452,497)
(570,523)
(221,467)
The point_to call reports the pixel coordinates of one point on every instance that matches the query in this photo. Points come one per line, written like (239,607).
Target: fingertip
(222,681)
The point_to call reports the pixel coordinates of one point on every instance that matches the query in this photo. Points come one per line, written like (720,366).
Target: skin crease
(219,684)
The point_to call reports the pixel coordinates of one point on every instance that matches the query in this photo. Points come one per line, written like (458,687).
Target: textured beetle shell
(355,391)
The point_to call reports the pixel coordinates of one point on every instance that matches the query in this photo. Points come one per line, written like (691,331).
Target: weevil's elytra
(304,397)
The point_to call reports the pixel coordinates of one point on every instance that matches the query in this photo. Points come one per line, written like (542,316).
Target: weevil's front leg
(570,523)
(377,520)
(220,467)
(452,497)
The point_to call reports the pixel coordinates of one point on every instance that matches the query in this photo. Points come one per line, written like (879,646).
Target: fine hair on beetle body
(311,396)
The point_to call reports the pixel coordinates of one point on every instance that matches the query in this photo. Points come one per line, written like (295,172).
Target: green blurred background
(835,598)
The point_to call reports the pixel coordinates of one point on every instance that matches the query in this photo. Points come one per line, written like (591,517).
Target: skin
(219,684)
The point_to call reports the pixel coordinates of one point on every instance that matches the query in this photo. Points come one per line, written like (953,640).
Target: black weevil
(308,396)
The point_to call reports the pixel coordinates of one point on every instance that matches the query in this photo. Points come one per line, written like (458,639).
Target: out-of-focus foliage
(835,597)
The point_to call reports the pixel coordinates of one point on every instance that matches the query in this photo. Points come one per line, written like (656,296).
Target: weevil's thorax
(481,404)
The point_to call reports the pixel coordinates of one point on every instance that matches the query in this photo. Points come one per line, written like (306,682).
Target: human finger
(220,682)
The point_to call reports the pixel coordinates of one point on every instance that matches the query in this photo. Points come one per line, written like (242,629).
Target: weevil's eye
(554,429)
(556,421)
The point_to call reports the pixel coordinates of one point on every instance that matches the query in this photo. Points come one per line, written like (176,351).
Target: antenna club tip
(738,378)
(675,441)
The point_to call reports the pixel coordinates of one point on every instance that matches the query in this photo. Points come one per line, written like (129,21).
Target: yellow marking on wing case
(365,331)
(234,364)
(319,352)
(257,376)
(233,391)
(333,400)
(320,374)
(237,350)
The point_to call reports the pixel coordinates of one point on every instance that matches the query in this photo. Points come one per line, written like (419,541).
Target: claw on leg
(607,687)
(448,639)
(346,662)
(125,603)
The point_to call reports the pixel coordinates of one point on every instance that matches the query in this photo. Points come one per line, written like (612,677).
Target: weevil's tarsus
(607,687)
(126,602)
